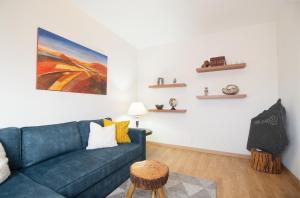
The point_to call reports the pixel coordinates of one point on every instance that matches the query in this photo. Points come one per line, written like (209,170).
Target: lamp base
(137,122)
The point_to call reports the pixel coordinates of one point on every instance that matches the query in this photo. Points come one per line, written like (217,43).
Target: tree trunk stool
(148,175)
(263,162)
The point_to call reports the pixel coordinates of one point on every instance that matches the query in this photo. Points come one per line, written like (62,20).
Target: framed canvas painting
(63,65)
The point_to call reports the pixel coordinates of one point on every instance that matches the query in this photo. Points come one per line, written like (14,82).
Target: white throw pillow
(4,168)
(101,137)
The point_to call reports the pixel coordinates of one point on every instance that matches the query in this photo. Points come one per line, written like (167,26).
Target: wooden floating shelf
(220,68)
(222,96)
(174,85)
(168,110)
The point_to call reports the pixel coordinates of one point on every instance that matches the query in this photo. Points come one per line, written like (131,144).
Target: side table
(148,132)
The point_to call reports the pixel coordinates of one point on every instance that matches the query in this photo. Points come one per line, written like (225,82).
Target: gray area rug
(178,186)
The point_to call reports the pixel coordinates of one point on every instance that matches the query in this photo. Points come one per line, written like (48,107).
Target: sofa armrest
(138,136)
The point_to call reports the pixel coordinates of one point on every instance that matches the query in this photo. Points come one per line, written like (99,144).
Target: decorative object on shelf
(160,81)
(173,85)
(175,80)
(173,103)
(217,61)
(159,107)
(137,109)
(206,91)
(221,68)
(205,64)
(231,89)
(63,65)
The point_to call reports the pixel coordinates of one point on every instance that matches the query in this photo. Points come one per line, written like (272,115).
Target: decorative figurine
(205,64)
(206,91)
(230,89)
(175,80)
(173,103)
(160,81)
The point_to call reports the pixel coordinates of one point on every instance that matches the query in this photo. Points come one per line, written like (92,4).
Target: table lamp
(137,109)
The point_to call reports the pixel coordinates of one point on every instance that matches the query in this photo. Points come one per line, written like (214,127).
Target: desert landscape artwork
(63,65)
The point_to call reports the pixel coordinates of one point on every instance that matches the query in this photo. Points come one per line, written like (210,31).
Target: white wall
(218,125)
(20,103)
(221,125)
(289,84)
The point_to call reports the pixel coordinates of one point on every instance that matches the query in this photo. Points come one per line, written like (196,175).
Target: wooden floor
(234,177)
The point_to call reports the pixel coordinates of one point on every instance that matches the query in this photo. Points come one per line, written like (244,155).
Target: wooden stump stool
(148,175)
(263,162)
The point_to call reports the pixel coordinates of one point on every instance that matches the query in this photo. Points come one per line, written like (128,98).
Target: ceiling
(145,23)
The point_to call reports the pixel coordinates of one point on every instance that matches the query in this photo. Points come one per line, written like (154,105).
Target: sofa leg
(130,191)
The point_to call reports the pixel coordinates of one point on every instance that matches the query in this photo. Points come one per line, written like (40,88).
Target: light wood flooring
(234,177)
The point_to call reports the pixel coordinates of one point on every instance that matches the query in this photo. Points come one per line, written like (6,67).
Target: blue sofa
(51,161)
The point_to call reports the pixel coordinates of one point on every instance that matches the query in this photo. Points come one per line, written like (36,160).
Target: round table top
(149,170)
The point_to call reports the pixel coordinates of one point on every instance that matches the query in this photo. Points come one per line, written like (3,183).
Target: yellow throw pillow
(121,130)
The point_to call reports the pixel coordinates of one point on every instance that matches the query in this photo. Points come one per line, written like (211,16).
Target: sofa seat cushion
(20,186)
(74,172)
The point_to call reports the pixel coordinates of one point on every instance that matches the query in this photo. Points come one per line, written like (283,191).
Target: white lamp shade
(137,108)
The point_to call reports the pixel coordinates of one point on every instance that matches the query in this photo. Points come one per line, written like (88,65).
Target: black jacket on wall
(268,130)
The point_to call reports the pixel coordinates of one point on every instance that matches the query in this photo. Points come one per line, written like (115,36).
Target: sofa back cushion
(43,142)
(11,141)
(84,128)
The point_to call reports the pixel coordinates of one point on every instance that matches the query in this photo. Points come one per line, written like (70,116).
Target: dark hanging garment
(268,130)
